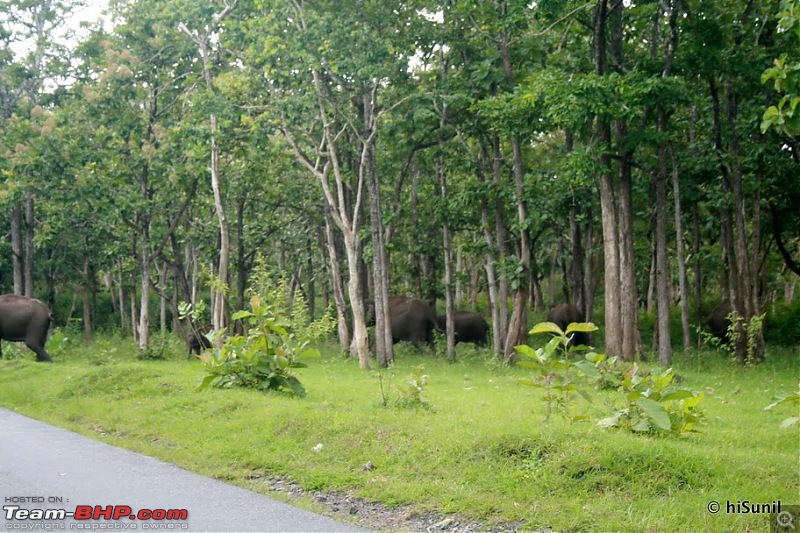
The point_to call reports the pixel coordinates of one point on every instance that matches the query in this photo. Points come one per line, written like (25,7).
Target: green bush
(279,332)
(782,324)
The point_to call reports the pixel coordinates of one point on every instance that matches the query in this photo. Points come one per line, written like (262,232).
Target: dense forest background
(634,158)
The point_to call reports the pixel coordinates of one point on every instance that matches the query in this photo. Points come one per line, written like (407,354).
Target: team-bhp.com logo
(94,512)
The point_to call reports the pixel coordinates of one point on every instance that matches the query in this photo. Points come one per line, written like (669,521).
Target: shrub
(277,341)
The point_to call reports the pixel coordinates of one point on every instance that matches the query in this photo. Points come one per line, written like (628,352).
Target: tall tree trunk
(662,263)
(501,239)
(608,207)
(490,259)
(29,249)
(203,42)
(448,267)
(17,249)
(628,297)
(683,281)
(87,310)
(342,328)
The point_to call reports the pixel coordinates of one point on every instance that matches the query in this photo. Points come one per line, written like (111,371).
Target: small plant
(652,403)
(264,359)
(411,393)
(793,400)
(154,352)
(556,375)
(57,342)
(277,341)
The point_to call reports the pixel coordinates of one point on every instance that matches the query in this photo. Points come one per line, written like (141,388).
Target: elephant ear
(546,327)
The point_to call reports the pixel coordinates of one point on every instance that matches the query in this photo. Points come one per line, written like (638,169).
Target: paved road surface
(45,467)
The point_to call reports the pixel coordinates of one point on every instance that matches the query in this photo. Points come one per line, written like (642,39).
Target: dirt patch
(379,517)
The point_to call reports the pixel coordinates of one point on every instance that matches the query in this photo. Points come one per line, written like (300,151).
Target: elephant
(563,315)
(469,327)
(718,321)
(25,319)
(196,339)
(411,320)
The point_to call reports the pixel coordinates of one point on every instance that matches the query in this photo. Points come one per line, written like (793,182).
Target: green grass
(483,450)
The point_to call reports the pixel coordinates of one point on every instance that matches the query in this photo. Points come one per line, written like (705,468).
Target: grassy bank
(483,450)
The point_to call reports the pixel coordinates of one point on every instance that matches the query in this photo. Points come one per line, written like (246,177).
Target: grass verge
(483,449)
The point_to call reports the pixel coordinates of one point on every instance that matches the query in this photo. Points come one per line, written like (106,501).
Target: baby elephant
(469,327)
(197,341)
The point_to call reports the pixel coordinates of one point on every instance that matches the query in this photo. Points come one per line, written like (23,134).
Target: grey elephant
(564,314)
(469,327)
(718,322)
(411,320)
(25,319)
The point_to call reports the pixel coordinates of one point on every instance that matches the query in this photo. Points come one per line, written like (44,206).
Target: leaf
(238,315)
(655,412)
(587,368)
(677,395)
(526,350)
(581,327)
(611,421)
(546,327)
(641,425)
(789,422)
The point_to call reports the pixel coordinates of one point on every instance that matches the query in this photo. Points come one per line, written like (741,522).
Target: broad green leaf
(581,327)
(587,368)
(655,412)
(546,327)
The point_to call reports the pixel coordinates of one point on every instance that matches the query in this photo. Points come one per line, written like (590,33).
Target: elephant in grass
(25,319)
(469,327)
(718,322)
(411,320)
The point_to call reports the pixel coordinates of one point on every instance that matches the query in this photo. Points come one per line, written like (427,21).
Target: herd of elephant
(28,320)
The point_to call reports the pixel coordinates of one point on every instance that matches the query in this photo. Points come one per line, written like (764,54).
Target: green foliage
(782,324)
(485,452)
(279,333)
(264,359)
(411,393)
(785,75)
(653,402)
(792,400)
(559,377)
(159,347)
(58,342)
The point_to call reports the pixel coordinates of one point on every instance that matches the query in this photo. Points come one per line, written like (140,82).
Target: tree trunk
(608,208)
(87,311)
(30,222)
(448,267)
(683,282)
(17,251)
(501,238)
(662,268)
(336,281)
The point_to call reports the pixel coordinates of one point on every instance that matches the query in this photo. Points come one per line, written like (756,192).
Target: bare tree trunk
(203,41)
(17,249)
(87,311)
(662,268)
(448,268)
(501,239)
(29,249)
(683,281)
(608,207)
(162,299)
(336,281)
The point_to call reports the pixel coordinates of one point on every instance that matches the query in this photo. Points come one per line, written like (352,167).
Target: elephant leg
(41,354)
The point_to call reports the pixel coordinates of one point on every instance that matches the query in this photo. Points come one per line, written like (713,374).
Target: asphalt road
(49,468)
